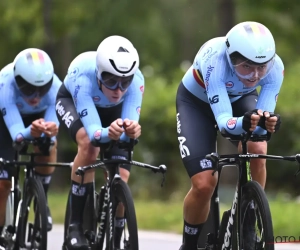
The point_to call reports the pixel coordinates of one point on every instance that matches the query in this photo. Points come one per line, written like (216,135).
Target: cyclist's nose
(255,73)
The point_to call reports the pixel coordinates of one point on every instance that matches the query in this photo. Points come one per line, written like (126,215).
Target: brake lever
(297,157)
(80,172)
(298,171)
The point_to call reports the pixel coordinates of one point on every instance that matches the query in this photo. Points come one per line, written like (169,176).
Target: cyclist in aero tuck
(99,101)
(28,88)
(220,88)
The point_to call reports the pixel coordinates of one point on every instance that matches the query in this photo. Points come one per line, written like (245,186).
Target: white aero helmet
(33,71)
(116,55)
(253,41)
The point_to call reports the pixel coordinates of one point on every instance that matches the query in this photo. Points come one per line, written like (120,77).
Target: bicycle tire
(254,200)
(67,217)
(8,231)
(222,229)
(33,235)
(121,193)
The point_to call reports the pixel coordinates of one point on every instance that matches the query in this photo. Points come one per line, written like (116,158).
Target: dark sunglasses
(113,82)
(29,90)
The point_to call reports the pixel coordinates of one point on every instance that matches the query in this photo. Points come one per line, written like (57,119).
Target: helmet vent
(121,71)
(121,49)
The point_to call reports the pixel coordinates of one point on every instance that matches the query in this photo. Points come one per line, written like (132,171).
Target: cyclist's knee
(5,186)
(124,174)
(85,148)
(203,185)
(257,147)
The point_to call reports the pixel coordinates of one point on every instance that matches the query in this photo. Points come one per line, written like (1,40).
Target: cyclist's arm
(11,114)
(219,100)
(270,88)
(81,93)
(133,100)
(50,114)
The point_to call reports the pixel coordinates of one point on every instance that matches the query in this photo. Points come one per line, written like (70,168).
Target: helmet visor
(30,90)
(249,70)
(113,82)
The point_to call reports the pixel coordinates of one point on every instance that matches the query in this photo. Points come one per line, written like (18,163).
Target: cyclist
(220,89)
(99,101)
(28,87)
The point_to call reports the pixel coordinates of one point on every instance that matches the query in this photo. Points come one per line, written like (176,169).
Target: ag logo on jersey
(231,123)
(214,99)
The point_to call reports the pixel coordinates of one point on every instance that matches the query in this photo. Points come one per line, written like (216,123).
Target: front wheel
(32,227)
(256,222)
(124,230)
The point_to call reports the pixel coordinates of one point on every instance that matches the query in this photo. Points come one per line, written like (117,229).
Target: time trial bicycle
(248,224)
(101,207)
(26,215)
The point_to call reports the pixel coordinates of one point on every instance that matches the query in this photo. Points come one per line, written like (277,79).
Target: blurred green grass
(167,215)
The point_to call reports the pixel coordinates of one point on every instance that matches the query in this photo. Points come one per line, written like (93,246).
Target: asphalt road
(148,241)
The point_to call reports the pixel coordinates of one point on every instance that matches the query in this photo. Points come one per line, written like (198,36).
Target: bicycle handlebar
(215,158)
(4,162)
(43,143)
(120,144)
(160,169)
(247,136)
(81,170)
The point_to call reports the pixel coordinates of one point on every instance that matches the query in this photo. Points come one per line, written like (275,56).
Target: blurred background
(167,35)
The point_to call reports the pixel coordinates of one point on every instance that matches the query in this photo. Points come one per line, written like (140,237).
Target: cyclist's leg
(6,152)
(258,166)
(86,154)
(44,174)
(197,137)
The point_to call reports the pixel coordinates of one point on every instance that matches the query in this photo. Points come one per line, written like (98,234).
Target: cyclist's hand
(51,129)
(115,129)
(251,119)
(37,127)
(132,128)
(272,122)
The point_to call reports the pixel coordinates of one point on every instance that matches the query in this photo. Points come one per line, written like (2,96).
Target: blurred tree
(167,35)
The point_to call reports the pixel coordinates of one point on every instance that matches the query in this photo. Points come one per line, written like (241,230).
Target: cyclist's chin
(250,82)
(114,99)
(33,101)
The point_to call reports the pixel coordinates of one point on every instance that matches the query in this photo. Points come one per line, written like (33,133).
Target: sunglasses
(31,91)
(113,82)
